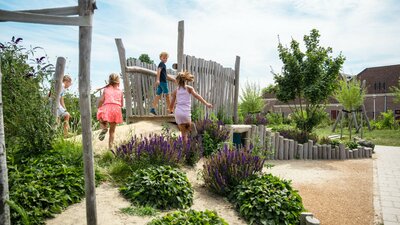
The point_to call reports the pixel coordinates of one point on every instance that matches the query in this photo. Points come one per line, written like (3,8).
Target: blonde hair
(67,78)
(164,54)
(113,79)
(183,77)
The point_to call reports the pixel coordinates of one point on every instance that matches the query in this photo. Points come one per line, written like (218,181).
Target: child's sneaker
(153,112)
(102,134)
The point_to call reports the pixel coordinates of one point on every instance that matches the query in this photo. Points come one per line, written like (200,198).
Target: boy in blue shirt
(161,83)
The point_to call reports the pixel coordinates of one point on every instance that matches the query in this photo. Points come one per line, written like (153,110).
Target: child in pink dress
(109,109)
(182,97)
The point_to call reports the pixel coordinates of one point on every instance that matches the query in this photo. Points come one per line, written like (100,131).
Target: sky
(366,32)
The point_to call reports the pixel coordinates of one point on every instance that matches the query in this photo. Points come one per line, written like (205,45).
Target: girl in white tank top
(182,97)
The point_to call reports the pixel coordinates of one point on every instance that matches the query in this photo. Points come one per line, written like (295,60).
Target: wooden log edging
(280,148)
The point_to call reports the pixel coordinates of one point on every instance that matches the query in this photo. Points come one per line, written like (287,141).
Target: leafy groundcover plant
(266,199)
(228,167)
(190,217)
(161,187)
(45,184)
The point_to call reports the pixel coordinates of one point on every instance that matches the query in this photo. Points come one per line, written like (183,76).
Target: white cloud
(366,32)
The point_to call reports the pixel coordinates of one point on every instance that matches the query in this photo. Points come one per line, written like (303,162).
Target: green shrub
(190,217)
(160,187)
(275,118)
(385,121)
(351,145)
(307,120)
(228,167)
(266,199)
(212,133)
(298,135)
(46,184)
(28,122)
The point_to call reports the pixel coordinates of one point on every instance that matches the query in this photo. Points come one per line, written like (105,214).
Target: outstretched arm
(173,99)
(201,99)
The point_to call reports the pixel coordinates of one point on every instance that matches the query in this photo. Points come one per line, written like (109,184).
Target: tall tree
(307,78)
(146,59)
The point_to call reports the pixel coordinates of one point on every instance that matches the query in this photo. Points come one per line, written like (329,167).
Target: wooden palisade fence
(279,148)
(217,84)
(82,16)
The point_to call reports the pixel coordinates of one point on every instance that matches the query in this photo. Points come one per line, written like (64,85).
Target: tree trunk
(4,208)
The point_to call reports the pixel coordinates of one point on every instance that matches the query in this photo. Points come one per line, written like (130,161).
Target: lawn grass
(378,137)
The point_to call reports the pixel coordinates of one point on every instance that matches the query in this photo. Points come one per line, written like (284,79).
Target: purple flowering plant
(160,150)
(228,167)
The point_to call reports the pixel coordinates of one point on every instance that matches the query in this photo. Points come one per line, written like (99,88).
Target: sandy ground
(337,192)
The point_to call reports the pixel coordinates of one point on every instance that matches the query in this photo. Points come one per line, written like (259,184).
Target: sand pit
(337,192)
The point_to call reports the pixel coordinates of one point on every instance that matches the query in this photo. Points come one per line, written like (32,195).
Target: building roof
(379,79)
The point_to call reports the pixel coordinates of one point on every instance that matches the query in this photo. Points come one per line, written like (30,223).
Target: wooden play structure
(218,84)
(82,16)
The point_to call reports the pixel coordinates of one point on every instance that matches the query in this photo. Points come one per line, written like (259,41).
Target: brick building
(378,83)
(378,98)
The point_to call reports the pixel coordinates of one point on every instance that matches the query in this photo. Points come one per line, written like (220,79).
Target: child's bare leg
(112,134)
(185,129)
(103,124)
(155,101)
(66,124)
(167,99)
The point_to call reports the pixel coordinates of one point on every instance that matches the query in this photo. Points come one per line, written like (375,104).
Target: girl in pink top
(109,111)
(182,97)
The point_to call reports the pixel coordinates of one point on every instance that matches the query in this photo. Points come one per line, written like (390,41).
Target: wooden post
(85,47)
(342,154)
(236,98)
(125,78)
(329,151)
(281,147)
(4,195)
(305,150)
(300,151)
(286,149)
(291,149)
(310,149)
(181,35)
(58,77)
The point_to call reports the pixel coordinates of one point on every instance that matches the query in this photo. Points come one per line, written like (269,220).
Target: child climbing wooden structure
(213,81)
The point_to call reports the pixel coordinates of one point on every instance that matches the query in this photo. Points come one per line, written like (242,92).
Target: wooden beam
(181,34)
(85,47)
(4,192)
(137,69)
(125,78)
(61,11)
(236,98)
(165,118)
(58,77)
(44,19)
